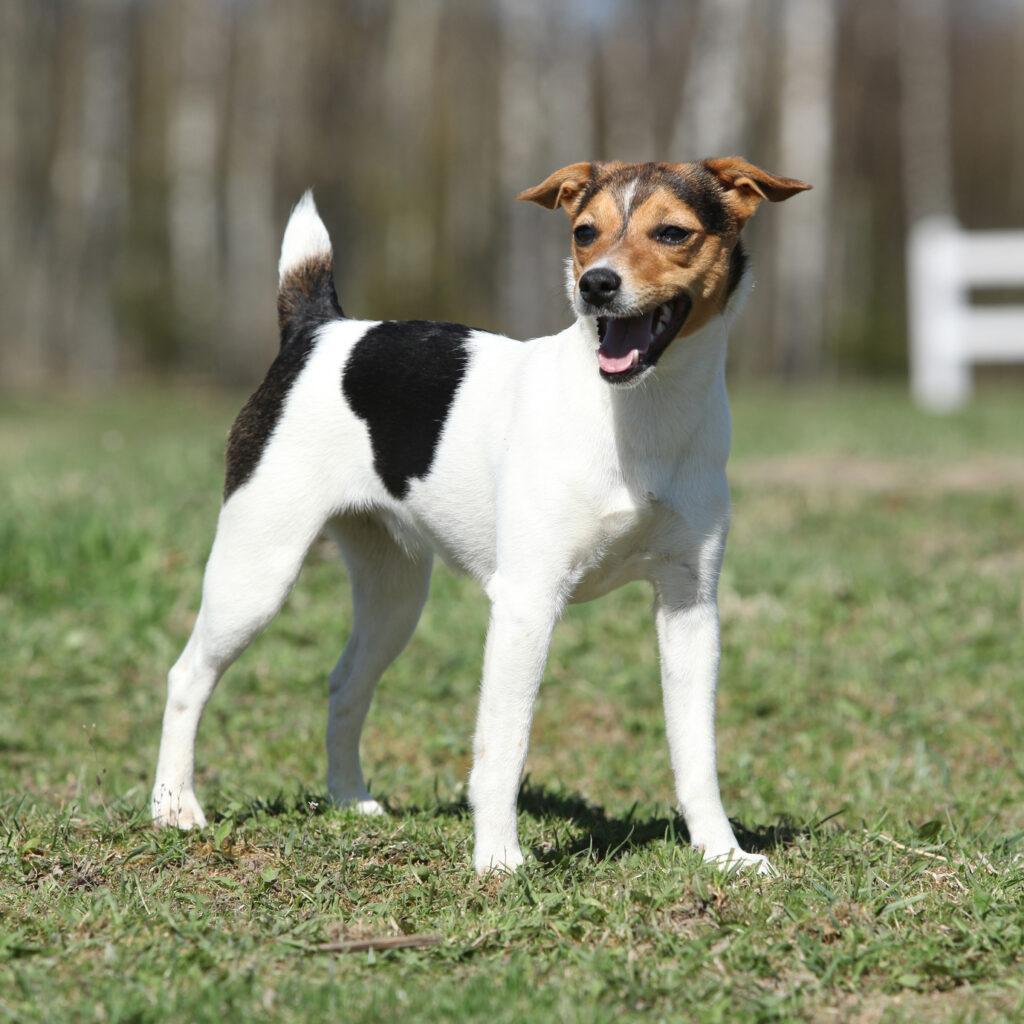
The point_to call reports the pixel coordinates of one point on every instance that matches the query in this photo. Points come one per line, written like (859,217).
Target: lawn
(871,715)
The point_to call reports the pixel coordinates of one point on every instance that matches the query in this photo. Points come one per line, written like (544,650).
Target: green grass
(870,721)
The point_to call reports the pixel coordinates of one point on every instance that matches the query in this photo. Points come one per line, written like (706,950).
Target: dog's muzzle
(629,345)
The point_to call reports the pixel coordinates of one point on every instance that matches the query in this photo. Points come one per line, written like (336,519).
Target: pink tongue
(623,337)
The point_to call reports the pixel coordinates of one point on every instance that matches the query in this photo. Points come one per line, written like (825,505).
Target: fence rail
(947,333)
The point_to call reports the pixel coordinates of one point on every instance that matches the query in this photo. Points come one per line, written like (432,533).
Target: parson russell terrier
(551,471)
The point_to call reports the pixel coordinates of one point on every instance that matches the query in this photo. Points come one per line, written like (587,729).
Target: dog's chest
(630,535)
(652,518)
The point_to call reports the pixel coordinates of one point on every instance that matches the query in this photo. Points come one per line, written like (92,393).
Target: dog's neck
(668,411)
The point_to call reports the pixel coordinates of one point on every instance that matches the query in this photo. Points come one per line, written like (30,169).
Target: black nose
(598,286)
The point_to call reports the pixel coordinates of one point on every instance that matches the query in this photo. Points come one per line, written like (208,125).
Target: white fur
(305,237)
(627,198)
(549,485)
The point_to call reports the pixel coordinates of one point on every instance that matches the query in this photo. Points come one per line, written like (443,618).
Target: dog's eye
(585,234)
(672,234)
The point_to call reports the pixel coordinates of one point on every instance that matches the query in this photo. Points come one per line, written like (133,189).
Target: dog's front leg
(517,646)
(689,641)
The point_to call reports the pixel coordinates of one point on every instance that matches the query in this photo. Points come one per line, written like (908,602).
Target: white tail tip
(305,237)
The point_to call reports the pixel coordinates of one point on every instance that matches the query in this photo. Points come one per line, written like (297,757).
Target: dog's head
(655,248)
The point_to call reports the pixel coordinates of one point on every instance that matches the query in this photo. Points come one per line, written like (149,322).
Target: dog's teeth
(636,358)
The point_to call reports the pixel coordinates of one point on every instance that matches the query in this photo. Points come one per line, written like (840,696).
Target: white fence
(947,333)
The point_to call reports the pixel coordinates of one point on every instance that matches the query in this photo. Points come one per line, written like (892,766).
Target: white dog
(551,471)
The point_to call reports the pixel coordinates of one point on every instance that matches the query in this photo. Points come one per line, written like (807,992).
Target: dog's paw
(506,862)
(735,859)
(369,806)
(176,809)
(361,803)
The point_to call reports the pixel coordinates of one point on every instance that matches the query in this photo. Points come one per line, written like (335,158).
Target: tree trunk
(194,139)
(521,135)
(711,119)
(805,151)
(21,360)
(627,86)
(410,80)
(90,181)
(249,336)
(925,107)
(1016,118)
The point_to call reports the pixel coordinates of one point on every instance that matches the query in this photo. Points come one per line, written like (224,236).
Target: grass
(870,718)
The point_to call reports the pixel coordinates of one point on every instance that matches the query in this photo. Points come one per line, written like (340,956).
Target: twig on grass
(957,861)
(380,942)
(903,846)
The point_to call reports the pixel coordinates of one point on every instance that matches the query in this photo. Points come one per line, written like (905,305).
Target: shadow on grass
(607,837)
(602,835)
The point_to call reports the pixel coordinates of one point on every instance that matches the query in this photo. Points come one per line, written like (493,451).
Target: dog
(551,471)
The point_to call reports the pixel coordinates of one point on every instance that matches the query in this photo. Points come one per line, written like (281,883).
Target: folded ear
(747,185)
(561,188)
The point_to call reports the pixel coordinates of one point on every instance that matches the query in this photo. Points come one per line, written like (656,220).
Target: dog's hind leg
(259,549)
(389,588)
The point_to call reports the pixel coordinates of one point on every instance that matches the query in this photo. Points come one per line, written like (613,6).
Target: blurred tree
(522,143)
(150,151)
(1016,111)
(925,108)
(23,364)
(711,118)
(200,51)
(409,93)
(629,80)
(805,151)
(259,66)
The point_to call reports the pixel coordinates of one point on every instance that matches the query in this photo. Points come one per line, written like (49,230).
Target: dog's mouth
(629,345)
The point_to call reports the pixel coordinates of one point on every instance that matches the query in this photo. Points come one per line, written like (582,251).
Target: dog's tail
(305,292)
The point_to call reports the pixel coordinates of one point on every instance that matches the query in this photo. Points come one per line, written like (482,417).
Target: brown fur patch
(628,223)
(307,293)
(627,204)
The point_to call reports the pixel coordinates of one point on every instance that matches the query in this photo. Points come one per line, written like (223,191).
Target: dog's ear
(561,188)
(746,185)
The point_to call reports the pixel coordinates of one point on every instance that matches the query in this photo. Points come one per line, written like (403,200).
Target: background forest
(150,151)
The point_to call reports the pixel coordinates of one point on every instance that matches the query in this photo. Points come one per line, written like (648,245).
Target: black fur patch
(255,423)
(737,266)
(702,192)
(306,300)
(401,379)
